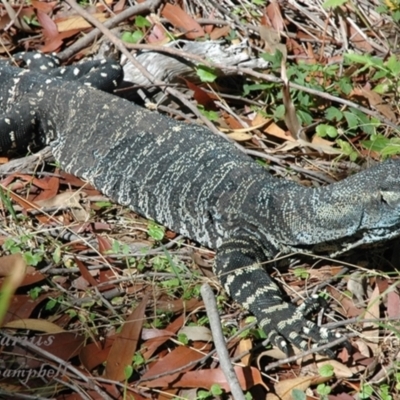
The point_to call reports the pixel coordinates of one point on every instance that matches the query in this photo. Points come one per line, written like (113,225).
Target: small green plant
(326,371)
(301,273)
(385,392)
(156,231)
(206,74)
(366,392)
(21,244)
(214,391)
(323,390)
(31,20)
(298,395)
(6,200)
(209,114)
(182,338)
(35,292)
(141,23)
(138,360)
(391,8)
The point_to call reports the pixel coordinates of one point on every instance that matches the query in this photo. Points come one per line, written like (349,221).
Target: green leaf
(210,115)
(323,389)
(345,85)
(57,255)
(304,117)
(138,359)
(347,149)
(182,338)
(382,88)
(377,143)
(366,60)
(216,390)
(298,395)
(366,392)
(32,259)
(35,292)
(51,304)
(203,394)
(394,65)
(351,119)
(301,273)
(326,130)
(333,3)
(132,37)
(142,22)
(279,112)
(254,87)
(326,371)
(103,204)
(275,59)
(206,74)
(333,114)
(171,283)
(128,371)
(391,150)
(156,231)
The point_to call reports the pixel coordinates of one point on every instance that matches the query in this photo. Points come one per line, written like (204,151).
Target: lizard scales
(196,183)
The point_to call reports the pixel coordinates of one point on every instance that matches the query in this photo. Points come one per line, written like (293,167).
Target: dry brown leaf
(356,284)
(85,272)
(73,200)
(285,388)
(363,348)
(197,333)
(358,40)
(77,23)
(36,324)
(274,130)
(94,354)
(200,95)
(375,100)
(218,33)
(205,378)
(176,358)
(125,344)
(64,345)
(273,12)
(239,136)
(178,305)
(393,304)
(183,21)
(16,270)
(372,328)
(9,263)
(22,306)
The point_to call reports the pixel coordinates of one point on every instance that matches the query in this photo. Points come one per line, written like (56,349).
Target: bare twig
(148,5)
(219,342)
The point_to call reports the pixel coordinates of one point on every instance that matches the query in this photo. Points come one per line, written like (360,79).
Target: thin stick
(219,342)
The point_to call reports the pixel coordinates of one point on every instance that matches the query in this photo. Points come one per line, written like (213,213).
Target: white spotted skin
(198,184)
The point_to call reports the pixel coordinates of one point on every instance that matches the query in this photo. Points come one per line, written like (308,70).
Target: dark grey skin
(195,183)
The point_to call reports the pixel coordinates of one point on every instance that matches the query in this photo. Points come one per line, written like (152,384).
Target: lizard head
(362,209)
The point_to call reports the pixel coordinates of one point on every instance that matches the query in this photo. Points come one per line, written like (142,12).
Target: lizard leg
(238,267)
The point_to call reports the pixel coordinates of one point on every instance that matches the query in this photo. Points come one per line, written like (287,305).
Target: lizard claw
(288,325)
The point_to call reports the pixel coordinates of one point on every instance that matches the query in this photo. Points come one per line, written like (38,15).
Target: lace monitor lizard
(196,183)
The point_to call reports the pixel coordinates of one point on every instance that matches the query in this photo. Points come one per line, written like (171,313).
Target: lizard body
(198,184)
